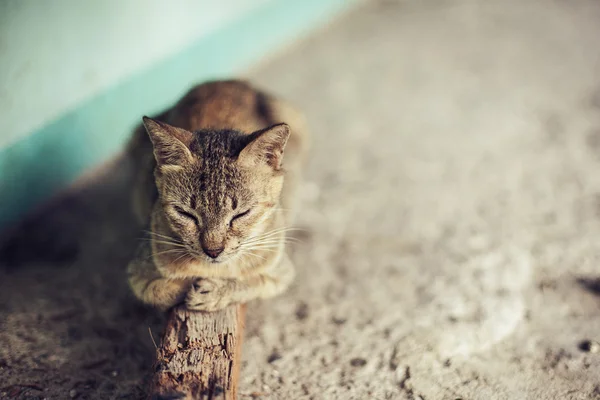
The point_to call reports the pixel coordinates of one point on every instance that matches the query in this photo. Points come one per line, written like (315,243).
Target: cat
(217,194)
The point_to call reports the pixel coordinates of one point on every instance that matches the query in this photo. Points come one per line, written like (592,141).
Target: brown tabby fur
(215,155)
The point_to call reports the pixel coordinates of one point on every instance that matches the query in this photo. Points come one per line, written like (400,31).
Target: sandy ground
(451,213)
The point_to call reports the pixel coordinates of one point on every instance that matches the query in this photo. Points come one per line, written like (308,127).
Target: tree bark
(199,356)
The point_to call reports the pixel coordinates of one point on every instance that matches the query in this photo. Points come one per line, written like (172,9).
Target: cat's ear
(266,147)
(171,144)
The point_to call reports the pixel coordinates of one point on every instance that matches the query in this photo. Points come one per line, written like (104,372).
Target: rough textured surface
(451,215)
(199,356)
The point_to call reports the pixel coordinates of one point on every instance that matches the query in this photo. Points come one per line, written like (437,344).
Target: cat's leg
(152,288)
(212,294)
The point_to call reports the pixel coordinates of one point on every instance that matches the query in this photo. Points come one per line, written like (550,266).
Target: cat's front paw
(209,295)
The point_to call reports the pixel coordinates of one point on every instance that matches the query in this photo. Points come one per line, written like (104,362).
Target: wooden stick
(199,356)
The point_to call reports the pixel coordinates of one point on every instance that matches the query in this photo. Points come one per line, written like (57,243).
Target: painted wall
(76,76)
(56,54)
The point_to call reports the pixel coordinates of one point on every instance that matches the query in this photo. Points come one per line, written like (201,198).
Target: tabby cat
(216,192)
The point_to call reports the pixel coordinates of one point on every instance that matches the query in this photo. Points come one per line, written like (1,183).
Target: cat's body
(217,195)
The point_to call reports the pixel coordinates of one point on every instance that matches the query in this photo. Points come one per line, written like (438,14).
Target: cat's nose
(213,253)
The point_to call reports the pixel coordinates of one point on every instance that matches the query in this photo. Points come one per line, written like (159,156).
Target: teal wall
(77,76)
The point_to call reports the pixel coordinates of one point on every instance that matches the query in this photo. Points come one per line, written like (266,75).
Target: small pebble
(114,373)
(358,362)
(73,393)
(589,346)
(302,311)
(275,355)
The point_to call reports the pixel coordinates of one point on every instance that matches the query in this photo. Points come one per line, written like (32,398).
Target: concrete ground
(451,213)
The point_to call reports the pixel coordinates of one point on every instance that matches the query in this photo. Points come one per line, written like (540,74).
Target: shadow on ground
(68,325)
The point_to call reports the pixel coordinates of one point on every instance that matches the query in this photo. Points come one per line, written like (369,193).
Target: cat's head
(217,188)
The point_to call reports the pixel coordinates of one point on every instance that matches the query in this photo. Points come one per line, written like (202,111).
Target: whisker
(279,239)
(269,246)
(162,236)
(282,229)
(262,242)
(180,257)
(176,251)
(265,240)
(265,248)
(277,231)
(273,231)
(237,256)
(285,229)
(257,245)
(271,241)
(169,243)
(254,254)
(167,251)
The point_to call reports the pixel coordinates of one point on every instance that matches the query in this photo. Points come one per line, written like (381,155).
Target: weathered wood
(199,356)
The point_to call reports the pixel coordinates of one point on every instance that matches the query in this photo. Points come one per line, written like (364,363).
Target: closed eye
(186,214)
(240,215)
